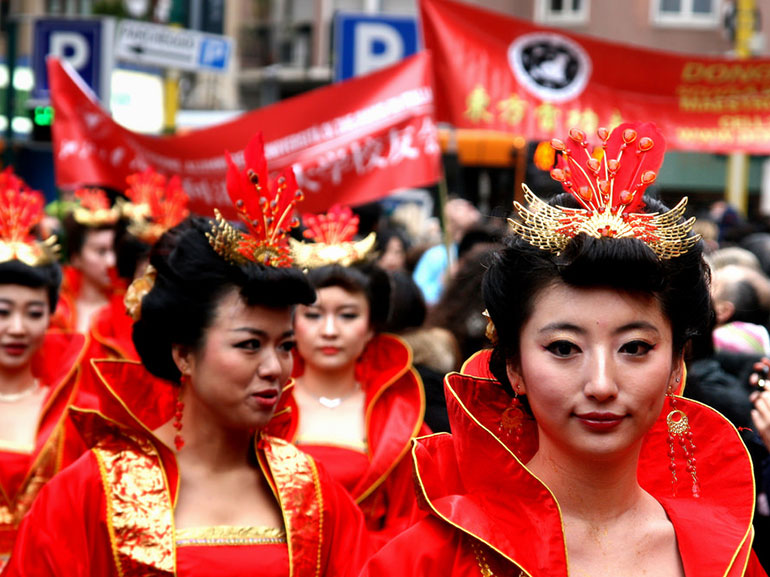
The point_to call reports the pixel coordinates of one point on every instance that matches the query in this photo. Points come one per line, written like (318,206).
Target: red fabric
(395,406)
(57,444)
(495,72)
(462,492)
(110,334)
(68,527)
(346,466)
(365,138)
(240,561)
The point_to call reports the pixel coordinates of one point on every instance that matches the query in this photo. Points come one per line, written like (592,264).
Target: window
(686,13)
(562,11)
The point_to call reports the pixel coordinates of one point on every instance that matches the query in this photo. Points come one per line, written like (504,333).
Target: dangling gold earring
(512,419)
(679,430)
(178,440)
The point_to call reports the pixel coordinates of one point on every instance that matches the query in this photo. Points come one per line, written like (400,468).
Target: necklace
(14,397)
(334,402)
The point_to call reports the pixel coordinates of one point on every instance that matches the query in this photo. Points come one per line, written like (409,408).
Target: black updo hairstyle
(364,277)
(46,276)
(520,271)
(191,280)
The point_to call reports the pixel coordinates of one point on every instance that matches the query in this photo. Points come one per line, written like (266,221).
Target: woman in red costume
(38,370)
(358,401)
(155,204)
(181,479)
(578,457)
(90,282)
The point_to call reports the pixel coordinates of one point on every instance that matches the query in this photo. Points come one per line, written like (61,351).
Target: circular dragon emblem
(550,66)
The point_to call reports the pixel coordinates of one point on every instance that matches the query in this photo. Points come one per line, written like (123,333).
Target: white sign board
(169,47)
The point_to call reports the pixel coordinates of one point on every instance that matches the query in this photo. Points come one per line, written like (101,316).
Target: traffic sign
(367,42)
(171,47)
(80,43)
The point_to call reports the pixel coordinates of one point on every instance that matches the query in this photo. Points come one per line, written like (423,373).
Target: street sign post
(170,47)
(83,44)
(367,42)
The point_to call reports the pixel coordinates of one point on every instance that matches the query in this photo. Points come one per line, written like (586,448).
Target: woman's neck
(592,490)
(91,294)
(207,443)
(17,380)
(328,383)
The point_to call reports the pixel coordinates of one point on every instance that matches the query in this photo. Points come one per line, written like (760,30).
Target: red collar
(456,481)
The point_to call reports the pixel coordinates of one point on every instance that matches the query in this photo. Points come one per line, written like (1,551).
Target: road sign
(367,42)
(170,47)
(81,43)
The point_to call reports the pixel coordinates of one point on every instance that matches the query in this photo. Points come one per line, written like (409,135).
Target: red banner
(499,73)
(349,143)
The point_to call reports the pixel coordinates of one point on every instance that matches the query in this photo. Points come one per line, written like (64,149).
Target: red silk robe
(395,406)
(23,473)
(488,515)
(112,512)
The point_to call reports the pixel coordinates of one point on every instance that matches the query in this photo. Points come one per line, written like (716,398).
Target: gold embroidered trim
(227,535)
(139,509)
(481,559)
(362,447)
(299,490)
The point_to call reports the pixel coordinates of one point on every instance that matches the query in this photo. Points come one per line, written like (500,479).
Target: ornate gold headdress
(93,208)
(21,209)
(610,189)
(155,206)
(333,234)
(267,211)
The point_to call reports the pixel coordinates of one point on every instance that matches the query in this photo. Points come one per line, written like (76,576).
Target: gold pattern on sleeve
(139,513)
(227,535)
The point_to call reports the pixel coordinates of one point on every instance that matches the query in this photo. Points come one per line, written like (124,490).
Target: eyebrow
(28,304)
(260,333)
(564,326)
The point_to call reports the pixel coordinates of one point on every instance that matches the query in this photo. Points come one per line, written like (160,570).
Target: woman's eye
(35,315)
(251,344)
(349,316)
(311,315)
(287,346)
(636,348)
(4,312)
(562,348)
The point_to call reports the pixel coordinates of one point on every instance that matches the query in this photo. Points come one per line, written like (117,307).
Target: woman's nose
(329,325)
(600,382)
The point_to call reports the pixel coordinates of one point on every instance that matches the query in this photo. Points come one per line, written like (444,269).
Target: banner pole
(443,198)
(737,193)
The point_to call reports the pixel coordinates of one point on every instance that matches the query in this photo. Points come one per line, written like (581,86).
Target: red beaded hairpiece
(267,212)
(156,204)
(21,209)
(333,234)
(610,189)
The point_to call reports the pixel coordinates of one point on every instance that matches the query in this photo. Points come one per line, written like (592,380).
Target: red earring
(512,419)
(679,430)
(178,440)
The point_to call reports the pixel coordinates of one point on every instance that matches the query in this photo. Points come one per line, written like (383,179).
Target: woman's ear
(514,377)
(182,355)
(678,374)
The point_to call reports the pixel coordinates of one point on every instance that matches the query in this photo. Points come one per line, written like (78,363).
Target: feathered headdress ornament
(333,234)
(21,209)
(156,204)
(610,189)
(266,210)
(93,208)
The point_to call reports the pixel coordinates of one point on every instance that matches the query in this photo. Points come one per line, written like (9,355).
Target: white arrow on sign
(169,47)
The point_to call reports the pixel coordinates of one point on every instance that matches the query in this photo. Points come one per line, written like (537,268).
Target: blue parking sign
(367,42)
(214,53)
(77,42)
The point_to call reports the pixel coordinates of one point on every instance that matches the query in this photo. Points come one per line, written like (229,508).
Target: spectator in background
(432,268)
(392,246)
